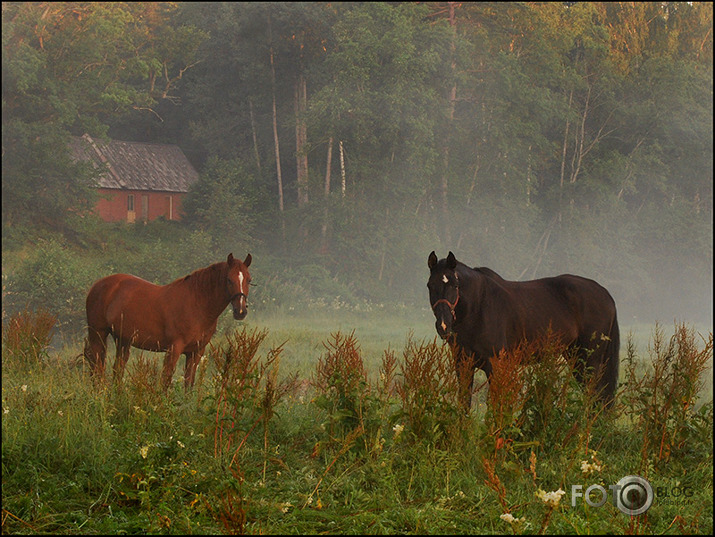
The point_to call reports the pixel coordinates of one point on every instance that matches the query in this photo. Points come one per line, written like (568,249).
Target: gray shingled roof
(137,165)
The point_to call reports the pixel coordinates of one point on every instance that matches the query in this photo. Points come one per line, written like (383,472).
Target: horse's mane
(489,273)
(206,277)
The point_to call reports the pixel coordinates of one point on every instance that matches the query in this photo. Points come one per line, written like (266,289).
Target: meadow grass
(348,423)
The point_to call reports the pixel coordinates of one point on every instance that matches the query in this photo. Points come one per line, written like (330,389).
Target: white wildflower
(60,413)
(550,498)
(398,429)
(24,387)
(508,517)
(588,468)
(180,444)
(144,451)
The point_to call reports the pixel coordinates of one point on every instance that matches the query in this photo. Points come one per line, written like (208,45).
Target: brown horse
(178,318)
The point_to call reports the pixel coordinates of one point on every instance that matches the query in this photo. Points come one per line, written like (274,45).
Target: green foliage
(663,401)
(532,138)
(535,138)
(72,68)
(342,389)
(245,449)
(428,392)
(41,187)
(223,202)
(53,278)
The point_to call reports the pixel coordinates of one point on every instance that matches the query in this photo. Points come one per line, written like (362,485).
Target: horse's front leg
(192,362)
(170,360)
(465,364)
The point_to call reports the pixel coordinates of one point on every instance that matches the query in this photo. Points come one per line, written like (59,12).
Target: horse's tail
(609,381)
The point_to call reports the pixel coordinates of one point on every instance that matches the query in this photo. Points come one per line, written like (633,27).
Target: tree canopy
(534,138)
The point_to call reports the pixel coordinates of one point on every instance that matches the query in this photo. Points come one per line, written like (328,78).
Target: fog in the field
(666,290)
(649,283)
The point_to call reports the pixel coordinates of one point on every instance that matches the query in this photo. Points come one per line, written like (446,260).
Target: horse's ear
(229,260)
(451,261)
(432,260)
(248,260)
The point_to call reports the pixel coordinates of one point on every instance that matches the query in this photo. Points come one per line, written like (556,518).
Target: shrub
(662,400)
(246,390)
(534,396)
(26,335)
(341,383)
(53,278)
(429,391)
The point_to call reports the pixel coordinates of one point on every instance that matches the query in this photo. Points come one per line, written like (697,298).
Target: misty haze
(335,145)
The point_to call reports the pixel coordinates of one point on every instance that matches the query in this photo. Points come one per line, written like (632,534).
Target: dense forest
(348,140)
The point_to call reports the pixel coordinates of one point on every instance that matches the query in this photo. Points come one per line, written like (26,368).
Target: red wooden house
(142,181)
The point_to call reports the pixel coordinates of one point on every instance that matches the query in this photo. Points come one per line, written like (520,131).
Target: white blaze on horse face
(444,326)
(444,278)
(242,298)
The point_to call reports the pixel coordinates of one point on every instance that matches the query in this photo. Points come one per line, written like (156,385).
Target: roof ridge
(104,159)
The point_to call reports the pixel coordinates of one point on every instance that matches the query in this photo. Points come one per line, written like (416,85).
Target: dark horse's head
(443,285)
(237,285)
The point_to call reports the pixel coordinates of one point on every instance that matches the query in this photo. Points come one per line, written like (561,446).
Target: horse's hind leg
(589,370)
(120,361)
(95,351)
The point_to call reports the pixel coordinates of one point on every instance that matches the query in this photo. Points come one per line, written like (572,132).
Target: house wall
(148,205)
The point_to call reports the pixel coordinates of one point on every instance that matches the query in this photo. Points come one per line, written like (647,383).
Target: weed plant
(356,448)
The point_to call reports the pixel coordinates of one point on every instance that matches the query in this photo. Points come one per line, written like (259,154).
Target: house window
(130,202)
(145,207)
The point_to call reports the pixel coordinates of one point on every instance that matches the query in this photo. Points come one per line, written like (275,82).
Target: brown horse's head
(237,285)
(443,285)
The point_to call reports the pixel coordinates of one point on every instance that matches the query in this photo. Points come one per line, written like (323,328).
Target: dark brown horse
(482,313)
(178,318)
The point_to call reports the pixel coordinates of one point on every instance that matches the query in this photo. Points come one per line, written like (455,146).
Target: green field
(250,451)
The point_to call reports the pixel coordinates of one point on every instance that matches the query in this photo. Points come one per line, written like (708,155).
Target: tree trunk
(255,137)
(563,154)
(275,123)
(342,167)
(301,140)
(324,230)
(328,165)
(444,185)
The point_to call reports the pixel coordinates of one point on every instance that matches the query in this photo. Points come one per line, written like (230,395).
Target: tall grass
(359,447)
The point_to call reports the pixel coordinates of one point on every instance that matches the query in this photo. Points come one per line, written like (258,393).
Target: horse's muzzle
(240,315)
(443,329)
